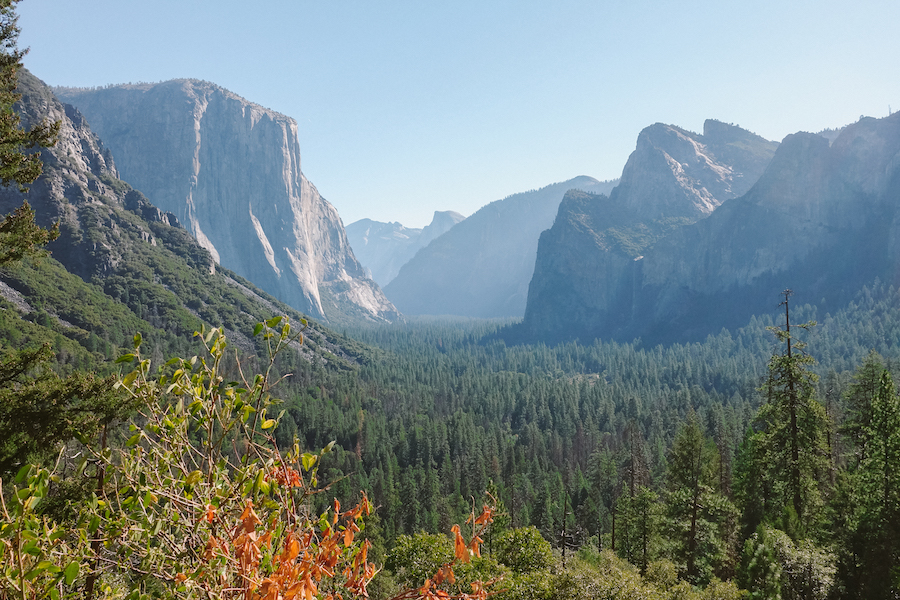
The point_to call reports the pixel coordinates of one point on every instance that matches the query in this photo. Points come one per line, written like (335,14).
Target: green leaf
(133,439)
(329,447)
(71,572)
(137,340)
(309,460)
(268,423)
(125,358)
(31,547)
(257,329)
(192,478)
(273,322)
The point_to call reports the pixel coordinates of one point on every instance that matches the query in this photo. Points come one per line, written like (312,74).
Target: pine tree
(38,409)
(858,400)
(15,165)
(697,514)
(879,528)
(793,430)
(19,236)
(760,573)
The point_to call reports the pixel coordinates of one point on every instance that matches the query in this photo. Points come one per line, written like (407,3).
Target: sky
(408,107)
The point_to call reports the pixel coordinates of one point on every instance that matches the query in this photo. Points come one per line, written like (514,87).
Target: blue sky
(407,107)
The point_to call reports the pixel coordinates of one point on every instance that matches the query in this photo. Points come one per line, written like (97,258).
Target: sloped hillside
(120,265)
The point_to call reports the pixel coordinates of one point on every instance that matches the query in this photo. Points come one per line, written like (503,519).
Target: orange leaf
(348,538)
(248,518)
(474,546)
(460,549)
(292,548)
(486,516)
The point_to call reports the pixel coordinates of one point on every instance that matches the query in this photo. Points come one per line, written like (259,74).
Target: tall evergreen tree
(38,409)
(697,514)
(858,401)
(793,430)
(879,527)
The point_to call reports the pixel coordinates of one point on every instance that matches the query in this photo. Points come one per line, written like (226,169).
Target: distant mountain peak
(383,248)
(676,173)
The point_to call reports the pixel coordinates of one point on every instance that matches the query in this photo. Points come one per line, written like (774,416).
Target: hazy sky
(409,107)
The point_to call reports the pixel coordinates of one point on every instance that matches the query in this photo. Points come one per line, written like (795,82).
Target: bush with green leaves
(524,550)
(415,558)
(198,503)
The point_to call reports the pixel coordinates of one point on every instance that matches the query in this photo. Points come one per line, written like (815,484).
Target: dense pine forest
(676,461)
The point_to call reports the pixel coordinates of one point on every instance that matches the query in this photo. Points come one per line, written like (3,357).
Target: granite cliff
(383,248)
(482,266)
(81,190)
(676,173)
(230,172)
(585,263)
(822,219)
(121,265)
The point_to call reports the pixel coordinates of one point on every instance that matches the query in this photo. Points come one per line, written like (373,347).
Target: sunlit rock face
(79,189)
(822,219)
(676,173)
(230,171)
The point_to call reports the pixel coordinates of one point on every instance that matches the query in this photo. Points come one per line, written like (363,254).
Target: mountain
(383,248)
(121,265)
(676,173)
(482,266)
(822,220)
(229,170)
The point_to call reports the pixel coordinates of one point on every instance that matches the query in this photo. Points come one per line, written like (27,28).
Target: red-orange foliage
(306,558)
(432,590)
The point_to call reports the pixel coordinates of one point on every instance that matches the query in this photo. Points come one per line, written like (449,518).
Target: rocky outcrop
(80,189)
(136,261)
(230,171)
(383,248)
(822,220)
(482,266)
(676,173)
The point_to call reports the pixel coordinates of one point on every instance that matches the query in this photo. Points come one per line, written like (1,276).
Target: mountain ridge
(822,218)
(383,248)
(230,171)
(481,267)
(121,265)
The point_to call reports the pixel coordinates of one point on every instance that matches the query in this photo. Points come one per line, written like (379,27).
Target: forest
(729,468)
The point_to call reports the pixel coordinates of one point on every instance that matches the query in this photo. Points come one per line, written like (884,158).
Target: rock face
(80,189)
(676,173)
(482,266)
(822,220)
(230,171)
(383,248)
(133,258)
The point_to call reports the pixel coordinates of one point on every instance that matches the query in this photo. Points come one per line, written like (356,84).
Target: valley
(606,387)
